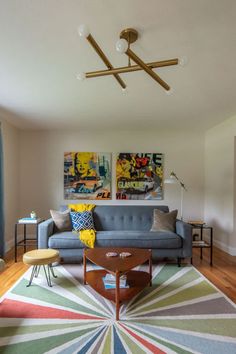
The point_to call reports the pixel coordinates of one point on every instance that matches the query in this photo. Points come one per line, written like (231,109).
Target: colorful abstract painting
(139,176)
(87,175)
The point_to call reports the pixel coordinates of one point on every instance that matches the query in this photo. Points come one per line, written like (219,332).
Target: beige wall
(11,179)
(220,181)
(33,171)
(41,165)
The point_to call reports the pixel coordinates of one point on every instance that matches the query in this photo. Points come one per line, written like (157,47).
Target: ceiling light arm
(132,68)
(148,70)
(99,51)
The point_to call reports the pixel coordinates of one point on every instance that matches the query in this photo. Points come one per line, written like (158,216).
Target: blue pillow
(82,221)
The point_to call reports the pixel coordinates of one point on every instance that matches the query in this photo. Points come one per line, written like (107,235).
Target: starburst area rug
(181,313)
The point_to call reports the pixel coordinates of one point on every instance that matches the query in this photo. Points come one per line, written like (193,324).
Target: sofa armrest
(45,230)
(185,231)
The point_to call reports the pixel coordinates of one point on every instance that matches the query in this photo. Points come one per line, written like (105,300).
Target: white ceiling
(41,53)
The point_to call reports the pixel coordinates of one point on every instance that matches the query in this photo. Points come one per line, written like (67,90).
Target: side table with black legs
(26,241)
(202,243)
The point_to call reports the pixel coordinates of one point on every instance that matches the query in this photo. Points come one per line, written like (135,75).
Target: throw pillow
(61,220)
(82,221)
(164,221)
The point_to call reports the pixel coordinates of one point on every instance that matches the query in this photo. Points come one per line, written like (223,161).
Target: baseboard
(225,248)
(9,245)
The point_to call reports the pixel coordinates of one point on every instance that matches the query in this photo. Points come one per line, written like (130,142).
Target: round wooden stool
(41,257)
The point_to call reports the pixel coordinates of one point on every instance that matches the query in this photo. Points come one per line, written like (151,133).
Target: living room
(46,111)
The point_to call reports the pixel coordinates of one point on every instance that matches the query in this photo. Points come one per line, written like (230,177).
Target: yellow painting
(87,175)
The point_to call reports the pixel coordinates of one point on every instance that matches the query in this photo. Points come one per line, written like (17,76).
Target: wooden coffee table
(118,266)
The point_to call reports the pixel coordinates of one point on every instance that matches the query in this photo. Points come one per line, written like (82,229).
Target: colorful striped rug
(181,313)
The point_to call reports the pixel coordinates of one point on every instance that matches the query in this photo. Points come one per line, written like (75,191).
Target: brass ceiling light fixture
(127,37)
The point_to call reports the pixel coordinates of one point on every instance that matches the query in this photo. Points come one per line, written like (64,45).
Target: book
(110,279)
(200,242)
(197,222)
(113,286)
(29,220)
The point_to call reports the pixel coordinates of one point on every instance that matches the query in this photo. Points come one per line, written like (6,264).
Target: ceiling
(41,54)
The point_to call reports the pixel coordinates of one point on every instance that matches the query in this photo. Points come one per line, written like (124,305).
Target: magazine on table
(113,286)
(29,220)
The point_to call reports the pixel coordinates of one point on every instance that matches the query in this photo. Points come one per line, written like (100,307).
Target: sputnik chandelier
(127,37)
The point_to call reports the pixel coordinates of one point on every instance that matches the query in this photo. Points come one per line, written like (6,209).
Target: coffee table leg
(117,295)
(150,268)
(84,258)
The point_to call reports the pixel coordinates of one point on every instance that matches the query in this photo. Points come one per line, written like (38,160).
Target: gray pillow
(164,221)
(61,220)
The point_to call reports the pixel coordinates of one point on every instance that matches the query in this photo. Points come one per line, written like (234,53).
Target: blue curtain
(2,243)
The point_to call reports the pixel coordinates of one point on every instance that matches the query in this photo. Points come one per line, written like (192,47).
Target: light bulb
(170,92)
(121,45)
(81,76)
(83,31)
(183,61)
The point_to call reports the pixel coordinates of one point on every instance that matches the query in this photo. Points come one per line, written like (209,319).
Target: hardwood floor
(222,274)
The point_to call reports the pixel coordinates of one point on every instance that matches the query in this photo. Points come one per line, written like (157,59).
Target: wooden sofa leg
(179,261)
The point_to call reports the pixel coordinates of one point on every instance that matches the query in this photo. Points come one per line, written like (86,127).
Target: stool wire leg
(47,276)
(34,270)
(37,271)
(52,271)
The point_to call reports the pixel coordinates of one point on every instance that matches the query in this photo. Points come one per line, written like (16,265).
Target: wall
(220,176)
(11,179)
(41,165)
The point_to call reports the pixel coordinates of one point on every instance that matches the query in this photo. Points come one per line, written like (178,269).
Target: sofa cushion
(139,239)
(61,220)
(66,239)
(82,221)
(164,221)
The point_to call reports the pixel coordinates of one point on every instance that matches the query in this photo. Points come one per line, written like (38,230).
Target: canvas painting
(87,175)
(139,176)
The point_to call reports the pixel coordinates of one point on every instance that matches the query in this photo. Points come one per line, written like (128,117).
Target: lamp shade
(170,180)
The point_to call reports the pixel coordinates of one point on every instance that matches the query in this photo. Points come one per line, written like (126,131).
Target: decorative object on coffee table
(43,257)
(118,266)
(111,254)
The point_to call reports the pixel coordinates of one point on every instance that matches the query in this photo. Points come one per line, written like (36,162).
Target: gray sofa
(121,226)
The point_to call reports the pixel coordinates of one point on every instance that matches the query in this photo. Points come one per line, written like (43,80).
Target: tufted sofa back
(130,217)
(124,217)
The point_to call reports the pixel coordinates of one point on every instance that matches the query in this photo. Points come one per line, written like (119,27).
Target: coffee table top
(118,264)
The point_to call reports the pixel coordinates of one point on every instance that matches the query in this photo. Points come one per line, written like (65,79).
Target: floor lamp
(173,179)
